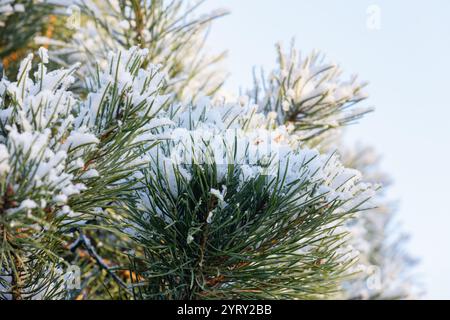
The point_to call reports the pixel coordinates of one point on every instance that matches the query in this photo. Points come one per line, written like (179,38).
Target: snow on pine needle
(58,154)
(173,33)
(212,171)
(112,166)
(308,92)
(224,134)
(37,130)
(226,167)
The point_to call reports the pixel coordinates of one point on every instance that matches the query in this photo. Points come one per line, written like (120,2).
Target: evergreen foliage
(126,162)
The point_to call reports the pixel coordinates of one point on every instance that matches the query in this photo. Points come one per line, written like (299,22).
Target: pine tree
(308,95)
(126,162)
(387,268)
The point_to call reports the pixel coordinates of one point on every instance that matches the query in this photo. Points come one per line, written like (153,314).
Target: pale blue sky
(407,63)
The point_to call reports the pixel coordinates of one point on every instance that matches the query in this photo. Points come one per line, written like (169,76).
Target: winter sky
(402,48)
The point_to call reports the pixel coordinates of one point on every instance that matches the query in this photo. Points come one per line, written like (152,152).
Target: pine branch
(82,238)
